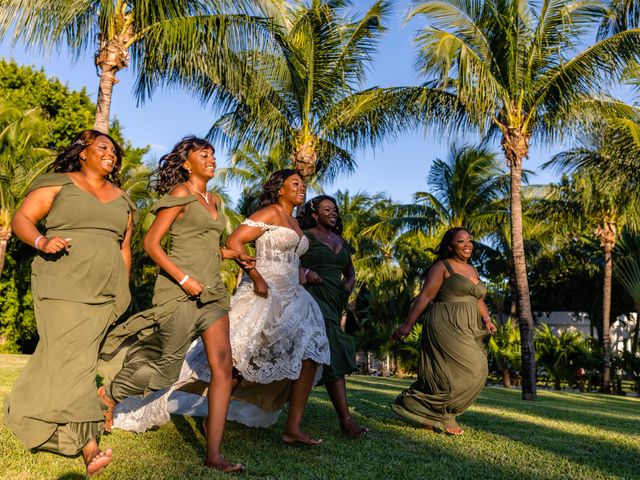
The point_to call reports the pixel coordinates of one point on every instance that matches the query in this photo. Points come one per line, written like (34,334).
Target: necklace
(205,196)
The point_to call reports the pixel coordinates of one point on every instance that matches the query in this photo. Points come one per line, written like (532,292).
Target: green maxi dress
(453,363)
(145,353)
(76,295)
(331,297)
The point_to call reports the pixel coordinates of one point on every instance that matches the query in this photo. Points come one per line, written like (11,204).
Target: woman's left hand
(490,327)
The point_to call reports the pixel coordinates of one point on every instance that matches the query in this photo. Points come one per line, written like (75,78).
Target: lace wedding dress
(270,337)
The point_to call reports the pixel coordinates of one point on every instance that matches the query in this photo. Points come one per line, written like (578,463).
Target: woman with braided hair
(190,300)
(80,287)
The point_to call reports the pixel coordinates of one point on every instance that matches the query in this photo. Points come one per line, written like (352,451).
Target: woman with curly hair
(453,363)
(190,300)
(278,337)
(80,287)
(329,277)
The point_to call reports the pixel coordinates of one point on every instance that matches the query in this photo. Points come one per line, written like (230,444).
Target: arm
(486,317)
(152,246)
(35,207)
(431,286)
(125,247)
(245,234)
(349,276)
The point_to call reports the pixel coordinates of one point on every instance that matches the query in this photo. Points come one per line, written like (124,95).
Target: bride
(277,332)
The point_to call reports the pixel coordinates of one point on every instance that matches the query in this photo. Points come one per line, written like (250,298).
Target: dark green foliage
(66,111)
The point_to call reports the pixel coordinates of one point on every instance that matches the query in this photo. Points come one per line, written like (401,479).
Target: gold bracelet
(220,252)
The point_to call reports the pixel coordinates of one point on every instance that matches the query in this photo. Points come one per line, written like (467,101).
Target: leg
(111,404)
(218,348)
(337,391)
(300,391)
(95,459)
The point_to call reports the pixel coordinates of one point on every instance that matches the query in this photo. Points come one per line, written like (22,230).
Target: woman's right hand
(260,287)
(192,287)
(54,244)
(402,331)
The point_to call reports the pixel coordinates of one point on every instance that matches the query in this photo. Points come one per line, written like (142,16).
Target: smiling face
(101,156)
(201,162)
(462,245)
(326,214)
(293,190)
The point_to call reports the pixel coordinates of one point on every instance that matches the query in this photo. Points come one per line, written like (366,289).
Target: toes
(99,461)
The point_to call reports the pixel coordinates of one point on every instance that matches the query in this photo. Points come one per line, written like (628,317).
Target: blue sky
(398,167)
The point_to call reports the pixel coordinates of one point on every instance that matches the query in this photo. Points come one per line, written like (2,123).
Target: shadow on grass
(573,410)
(71,476)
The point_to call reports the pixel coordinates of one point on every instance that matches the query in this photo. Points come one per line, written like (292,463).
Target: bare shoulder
(179,191)
(268,214)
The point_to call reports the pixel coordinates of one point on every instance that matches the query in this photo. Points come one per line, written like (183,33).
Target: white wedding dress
(270,337)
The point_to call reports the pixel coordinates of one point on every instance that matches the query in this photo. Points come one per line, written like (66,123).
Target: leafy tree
(562,354)
(307,97)
(151,34)
(22,158)
(519,70)
(504,351)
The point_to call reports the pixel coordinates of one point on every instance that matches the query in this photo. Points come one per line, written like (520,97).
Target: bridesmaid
(453,363)
(190,298)
(329,277)
(80,287)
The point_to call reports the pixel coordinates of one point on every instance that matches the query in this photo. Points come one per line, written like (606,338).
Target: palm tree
(518,70)
(306,98)
(628,274)
(152,34)
(22,158)
(504,350)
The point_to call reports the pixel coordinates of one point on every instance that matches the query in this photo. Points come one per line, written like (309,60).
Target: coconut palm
(601,205)
(151,34)
(520,71)
(307,98)
(22,158)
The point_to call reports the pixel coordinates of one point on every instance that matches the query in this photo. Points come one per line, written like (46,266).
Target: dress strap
(168,201)
(445,262)
(262,225)
(49,180)
(133,210)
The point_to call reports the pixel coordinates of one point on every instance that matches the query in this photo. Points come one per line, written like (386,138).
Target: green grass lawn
(562,435)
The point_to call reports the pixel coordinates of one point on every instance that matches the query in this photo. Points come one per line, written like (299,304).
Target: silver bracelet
(183,281)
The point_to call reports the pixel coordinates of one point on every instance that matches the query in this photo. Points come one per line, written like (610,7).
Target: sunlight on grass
(563,435)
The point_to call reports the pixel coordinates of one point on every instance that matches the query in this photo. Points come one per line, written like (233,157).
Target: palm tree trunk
(112,57)
(516,147)
(506,378)
(636,333)
(607,233)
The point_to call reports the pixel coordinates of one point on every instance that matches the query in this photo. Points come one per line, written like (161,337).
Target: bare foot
(224,465)
(111,404)
(300,438)
(456,431)
(97,463)
(351,428)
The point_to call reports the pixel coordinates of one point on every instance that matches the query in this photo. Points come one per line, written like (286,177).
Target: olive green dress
(331,297)
(145,353)
(453,363)
(76,295)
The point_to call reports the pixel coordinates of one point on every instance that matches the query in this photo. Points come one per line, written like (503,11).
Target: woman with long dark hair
(190,299)
(453,362)
(329,276)
(80,287)
(277,330)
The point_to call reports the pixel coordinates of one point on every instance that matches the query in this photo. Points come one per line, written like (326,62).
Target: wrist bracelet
(38,238)
(220,252)
(305,271)
(183,281)
(486,319)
